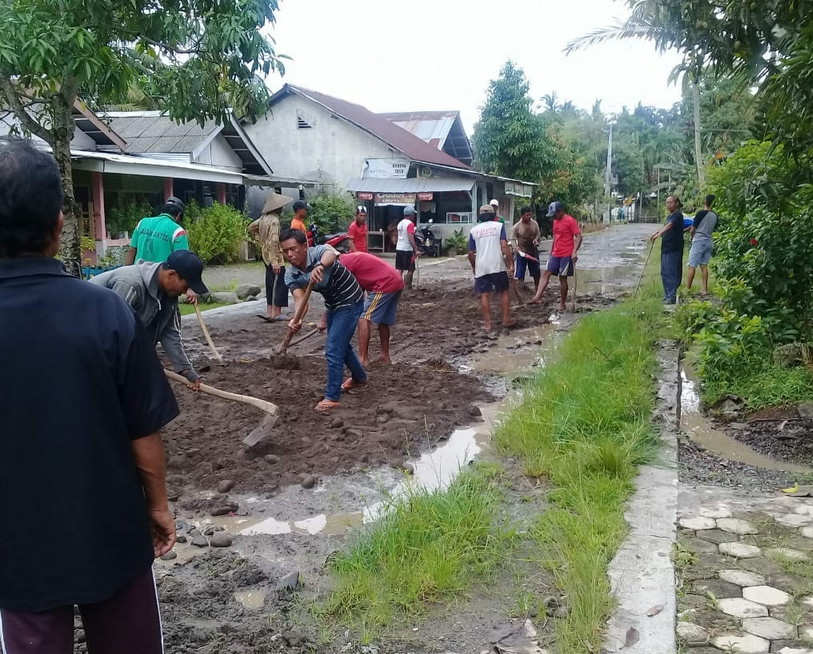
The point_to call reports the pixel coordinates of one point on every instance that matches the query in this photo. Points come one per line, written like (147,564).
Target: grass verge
(429,547)
(584,425)
(188,309)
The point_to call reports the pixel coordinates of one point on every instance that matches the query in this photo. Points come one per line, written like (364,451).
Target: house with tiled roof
(348,149)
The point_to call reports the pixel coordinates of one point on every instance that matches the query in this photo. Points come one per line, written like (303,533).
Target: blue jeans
(341,324)
(671,274)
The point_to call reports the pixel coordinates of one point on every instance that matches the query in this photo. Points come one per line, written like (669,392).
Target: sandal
(350,383)
(267,319)
(326,405)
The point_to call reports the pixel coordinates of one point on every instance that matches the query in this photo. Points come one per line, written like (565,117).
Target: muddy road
(284,505)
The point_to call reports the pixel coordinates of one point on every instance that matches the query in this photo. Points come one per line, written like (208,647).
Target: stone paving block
(807,600)
(742,644)
(697,546)
(769,628)
(697,522)
(742,577)
(742,608)
(806,632)
(788,583)
(807,532)
(761,566)
(716,536)
(717,587)
(740,550)
(766,595)
(785,553)
(795,650)
(694,601)
(692,634)
(714,561)
(737,526)
(711,512)
(799,543)
(804,509)
(794,520)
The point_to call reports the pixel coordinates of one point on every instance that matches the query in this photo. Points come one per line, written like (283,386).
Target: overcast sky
(440,54)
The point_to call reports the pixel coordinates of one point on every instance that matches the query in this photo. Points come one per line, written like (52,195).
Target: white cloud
(441,54)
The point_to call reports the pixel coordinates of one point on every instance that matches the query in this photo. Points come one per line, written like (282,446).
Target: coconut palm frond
(633,28)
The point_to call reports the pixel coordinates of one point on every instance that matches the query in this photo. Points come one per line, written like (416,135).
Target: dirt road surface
(297,496)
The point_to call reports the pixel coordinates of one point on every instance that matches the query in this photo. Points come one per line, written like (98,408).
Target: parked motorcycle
(340,241)
(426,240)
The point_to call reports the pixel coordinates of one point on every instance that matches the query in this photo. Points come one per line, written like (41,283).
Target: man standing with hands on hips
(567,239)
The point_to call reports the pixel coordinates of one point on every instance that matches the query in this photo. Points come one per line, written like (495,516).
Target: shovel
(206,333)
(300,311)
(260,431)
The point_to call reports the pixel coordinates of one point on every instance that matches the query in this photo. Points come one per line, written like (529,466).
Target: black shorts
(497,282)
(404,260)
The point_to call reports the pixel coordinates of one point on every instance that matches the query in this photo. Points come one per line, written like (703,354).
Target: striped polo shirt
(338,286)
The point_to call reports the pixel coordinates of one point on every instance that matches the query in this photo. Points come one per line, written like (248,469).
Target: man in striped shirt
(344,302)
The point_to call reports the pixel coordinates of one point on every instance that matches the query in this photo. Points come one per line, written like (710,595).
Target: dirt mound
(402,409)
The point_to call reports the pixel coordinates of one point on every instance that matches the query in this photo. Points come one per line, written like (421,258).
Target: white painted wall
(219,153)
(332,151)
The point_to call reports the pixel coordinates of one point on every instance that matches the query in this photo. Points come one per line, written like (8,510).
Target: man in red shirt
(567,239)
(358,230)
(383,285)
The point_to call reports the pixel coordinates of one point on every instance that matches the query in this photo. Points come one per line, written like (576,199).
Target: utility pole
(698,143)
(608,177)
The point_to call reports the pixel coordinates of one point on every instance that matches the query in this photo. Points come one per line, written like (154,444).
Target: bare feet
(350,383)
(383,359)
(562,308)
(510,323)
(487,327)
(535,300)
(365,363)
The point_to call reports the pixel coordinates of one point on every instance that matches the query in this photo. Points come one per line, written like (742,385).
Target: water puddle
(517,353)
(252,600)
(697,427)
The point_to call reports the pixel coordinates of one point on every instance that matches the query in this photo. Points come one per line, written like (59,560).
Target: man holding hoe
(491,260)
(567,239)
(319,267)
(526,235)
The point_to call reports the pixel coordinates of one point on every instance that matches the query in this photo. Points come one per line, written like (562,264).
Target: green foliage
(429,547)
(332,213)
(584,425)
(215,233)
(124,219)
(457,241)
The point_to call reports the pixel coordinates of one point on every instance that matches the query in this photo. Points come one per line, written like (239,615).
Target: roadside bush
(216,232)
(124,219)
(332,213)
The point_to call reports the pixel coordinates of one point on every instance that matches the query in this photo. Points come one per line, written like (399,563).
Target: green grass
(428,548)
(187,309)
(584,425)
(763,386)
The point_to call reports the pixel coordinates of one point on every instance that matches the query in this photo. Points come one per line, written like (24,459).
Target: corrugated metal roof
(412,185)
(147,133)
(395,136)
(426,125)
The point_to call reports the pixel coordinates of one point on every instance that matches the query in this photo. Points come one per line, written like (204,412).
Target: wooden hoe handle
(300,311)
(268,407)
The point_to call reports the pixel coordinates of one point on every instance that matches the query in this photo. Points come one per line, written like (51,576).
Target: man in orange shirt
(567,240)
(358,230)
(300,208)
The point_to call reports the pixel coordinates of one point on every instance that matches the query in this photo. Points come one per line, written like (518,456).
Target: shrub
(332,213)
(216,232)
(125,219)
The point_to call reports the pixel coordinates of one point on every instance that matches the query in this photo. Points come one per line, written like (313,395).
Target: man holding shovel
(492,263)
(153,289)
(567,239)
(319,268)
(84,399)
(266,230)
(526,236)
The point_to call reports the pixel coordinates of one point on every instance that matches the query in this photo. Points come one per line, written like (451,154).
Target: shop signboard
(395,198)
(426,197)
(364,196)
(385,169)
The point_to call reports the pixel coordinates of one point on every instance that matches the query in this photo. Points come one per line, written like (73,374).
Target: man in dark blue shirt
(671,249)
(83,399)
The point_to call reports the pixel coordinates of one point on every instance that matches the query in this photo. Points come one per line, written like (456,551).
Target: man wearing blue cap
(153,289)
(567,239)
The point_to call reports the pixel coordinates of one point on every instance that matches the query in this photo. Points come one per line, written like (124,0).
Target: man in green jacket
(154,239)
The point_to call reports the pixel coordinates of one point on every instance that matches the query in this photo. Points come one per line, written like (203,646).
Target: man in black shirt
(671,249)
(344,302)
(81,458)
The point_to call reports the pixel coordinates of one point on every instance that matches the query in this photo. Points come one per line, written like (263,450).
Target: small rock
(244,290)
(200,541)
(209,530)
(223,510)
(181,525)
(382,419)
(251,298)
(336,423)
(180,538)
(692,634)
(806,411)
(289,581)
(354,433)
(308,482)
(293,638)
(738,426)
(221,539)
(224,297)
(194,532)
(562,611)
(169,556)
(273,459)
(474,411)
(409,468)
(225,486)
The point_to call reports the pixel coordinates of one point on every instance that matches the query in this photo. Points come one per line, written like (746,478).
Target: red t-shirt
(359,235)
(564,230)
(372,274)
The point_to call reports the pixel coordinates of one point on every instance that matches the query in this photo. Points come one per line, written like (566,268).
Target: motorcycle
(426,240)
(340,241)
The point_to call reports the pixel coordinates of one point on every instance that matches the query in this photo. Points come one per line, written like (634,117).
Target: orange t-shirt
(296,223)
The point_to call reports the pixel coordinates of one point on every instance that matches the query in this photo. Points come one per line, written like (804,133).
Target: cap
(176,203)
(300,204)
(486,208)
(553,207)
(361,209)
(495,203)
(275,201)
(409,210)
(190,268)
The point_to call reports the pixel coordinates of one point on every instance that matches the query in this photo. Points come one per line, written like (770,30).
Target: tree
(198,58)
(508,139)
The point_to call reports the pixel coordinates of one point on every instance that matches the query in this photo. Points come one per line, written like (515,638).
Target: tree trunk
(698,143)
(70,250)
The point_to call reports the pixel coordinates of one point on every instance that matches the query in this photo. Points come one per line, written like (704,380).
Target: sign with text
(395,198)
(364,196)
(385,169)
(426,197)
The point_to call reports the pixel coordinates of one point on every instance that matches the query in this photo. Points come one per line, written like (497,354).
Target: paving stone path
(744,567)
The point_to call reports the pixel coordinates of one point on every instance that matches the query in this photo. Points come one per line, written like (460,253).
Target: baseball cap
(175,203)
(486,208)
(299,204)
(409,210)
(495,203)
(361,209)
(553,207)
(190,268)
